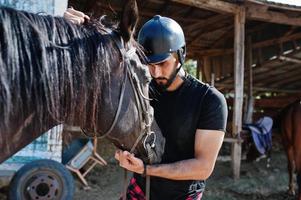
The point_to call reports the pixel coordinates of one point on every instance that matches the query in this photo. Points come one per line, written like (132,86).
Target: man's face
(164,71)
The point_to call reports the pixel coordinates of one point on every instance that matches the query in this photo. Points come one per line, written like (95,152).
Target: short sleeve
(214,111)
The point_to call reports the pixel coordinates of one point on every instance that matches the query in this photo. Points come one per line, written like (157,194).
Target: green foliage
(190,67)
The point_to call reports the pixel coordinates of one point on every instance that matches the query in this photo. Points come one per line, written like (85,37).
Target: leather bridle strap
(146,116)
(122,91)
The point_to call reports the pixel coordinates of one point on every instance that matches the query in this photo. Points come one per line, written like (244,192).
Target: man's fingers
(74,19)
(78,13)
(87,17)
(74,16)
(126,153)
(117,154)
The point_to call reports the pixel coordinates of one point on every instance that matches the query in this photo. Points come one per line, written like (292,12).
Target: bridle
(143,107)
(146,117)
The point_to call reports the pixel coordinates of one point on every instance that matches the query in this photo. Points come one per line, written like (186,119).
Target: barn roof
(272,29)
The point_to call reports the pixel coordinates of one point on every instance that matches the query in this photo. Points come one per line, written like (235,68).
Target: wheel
(42,180)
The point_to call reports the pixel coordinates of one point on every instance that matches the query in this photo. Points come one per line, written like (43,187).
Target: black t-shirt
(194,105)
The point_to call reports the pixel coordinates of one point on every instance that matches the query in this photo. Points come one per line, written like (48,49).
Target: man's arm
(207,146)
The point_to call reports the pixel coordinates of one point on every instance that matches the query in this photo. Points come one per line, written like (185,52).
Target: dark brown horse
(54,72)
(291,138)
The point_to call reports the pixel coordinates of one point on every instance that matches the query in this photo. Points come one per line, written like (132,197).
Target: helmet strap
(181,53)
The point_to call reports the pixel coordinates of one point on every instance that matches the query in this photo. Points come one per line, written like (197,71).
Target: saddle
(261,132)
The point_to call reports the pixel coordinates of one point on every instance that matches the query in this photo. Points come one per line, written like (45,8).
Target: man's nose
(156,71)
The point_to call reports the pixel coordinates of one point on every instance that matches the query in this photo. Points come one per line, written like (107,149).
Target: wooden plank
(288,59)
(208,30)
(239,53)
(143,13)
(272,66)
(205,22)
(232,140)
(271,102)
(282,6)
(262,89)
(255,12)
(224,37)
(275,72)
(213,5)
(282,78)
(265,43)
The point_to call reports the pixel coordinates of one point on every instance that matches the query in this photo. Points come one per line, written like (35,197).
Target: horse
(90,76)
(291,138)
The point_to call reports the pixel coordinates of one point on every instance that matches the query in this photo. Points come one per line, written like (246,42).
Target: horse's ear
(129,19)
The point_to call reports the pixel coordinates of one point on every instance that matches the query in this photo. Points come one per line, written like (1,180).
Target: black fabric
(194,105)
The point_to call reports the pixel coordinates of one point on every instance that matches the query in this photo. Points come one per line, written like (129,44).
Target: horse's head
(128,119)
(53,72)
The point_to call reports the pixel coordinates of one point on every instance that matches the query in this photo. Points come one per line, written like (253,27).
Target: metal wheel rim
(42,185)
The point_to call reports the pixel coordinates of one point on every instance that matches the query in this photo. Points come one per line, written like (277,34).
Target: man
(192,117)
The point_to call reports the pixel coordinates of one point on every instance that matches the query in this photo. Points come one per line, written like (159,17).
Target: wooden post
(199,71)
(212,78)
(206,69)
(239,52)
(248,118)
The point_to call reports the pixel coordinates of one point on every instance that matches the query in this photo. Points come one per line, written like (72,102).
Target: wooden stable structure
(231,40)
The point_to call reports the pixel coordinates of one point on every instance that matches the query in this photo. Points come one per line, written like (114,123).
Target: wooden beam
(288,59)
(262,89)
(206,68)
(239,54)
(199,75)
(275,102)
(281,6)
(288,80)
(259,72)
(279,76)
(205,22)
(225,36)
(213,5)
(261,44)
(249,106)
(143,13)
(255,12)
(209,30)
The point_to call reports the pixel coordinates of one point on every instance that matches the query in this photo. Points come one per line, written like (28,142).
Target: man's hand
(129,161)
(75,16)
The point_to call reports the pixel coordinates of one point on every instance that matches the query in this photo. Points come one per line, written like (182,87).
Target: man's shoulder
(210,93)
(196,84)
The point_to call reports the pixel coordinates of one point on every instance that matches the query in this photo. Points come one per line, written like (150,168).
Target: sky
(292,2)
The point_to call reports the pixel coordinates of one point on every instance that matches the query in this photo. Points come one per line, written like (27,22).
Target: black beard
(163,87)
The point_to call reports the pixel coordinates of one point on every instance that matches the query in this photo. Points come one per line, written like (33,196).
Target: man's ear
(129,20)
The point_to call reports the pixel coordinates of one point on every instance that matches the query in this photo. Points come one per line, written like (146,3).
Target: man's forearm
(192,169)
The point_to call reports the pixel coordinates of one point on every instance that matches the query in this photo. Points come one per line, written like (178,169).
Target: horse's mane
(50,63)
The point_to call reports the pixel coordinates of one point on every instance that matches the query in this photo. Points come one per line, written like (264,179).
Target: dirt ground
(256,181)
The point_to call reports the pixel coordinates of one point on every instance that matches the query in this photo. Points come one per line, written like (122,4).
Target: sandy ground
(256,182)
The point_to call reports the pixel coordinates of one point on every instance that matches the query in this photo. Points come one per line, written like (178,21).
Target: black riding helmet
(160,37)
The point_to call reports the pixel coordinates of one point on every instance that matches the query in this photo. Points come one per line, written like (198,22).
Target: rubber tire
(23,174)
